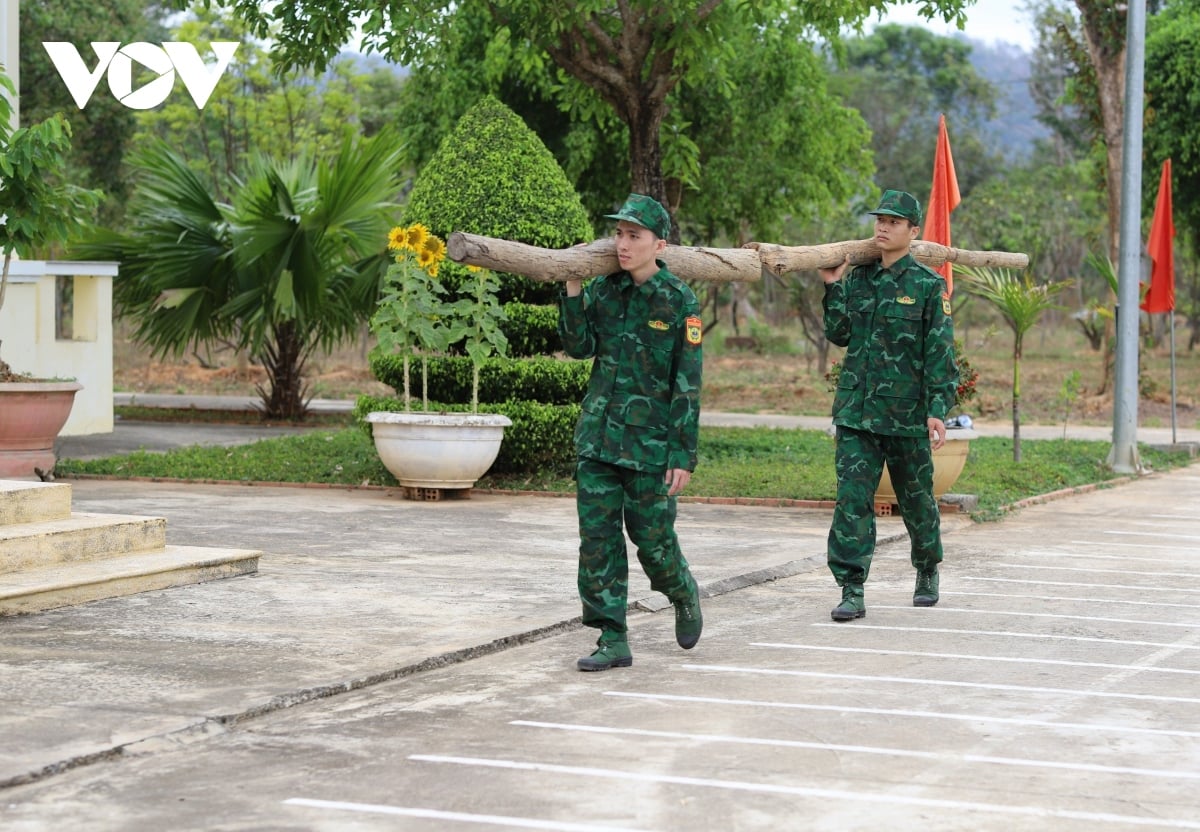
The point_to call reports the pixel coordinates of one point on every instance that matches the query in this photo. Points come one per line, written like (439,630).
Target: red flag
(1161,297)
(943,199)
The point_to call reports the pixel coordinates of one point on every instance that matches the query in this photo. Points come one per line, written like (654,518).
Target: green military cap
(899,204)
(647,213)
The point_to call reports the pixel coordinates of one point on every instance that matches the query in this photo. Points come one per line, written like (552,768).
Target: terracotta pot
(31,415)
(437,450)
(948,463)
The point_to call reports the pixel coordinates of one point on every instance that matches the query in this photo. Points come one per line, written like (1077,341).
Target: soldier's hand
(677,480)
(937,432)
(835,274)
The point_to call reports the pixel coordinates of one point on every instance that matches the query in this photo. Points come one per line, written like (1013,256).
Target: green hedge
(541,438)
(531,330)
(541,379)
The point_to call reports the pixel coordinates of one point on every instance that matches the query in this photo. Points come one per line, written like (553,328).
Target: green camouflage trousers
(606,495)
(859,459)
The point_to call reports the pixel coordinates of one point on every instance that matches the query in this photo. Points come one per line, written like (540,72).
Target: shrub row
(542,436)
(531,330)
(541,379)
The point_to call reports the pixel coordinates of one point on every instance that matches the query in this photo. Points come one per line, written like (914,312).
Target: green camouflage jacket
(642,407)
(899,365)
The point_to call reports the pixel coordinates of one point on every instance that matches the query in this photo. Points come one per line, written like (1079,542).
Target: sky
(991,21)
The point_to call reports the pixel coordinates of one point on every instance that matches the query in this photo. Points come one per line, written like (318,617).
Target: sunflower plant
(413,317)
(479,314)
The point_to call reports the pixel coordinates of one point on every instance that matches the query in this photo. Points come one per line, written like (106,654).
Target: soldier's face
(893,234)
(636,248)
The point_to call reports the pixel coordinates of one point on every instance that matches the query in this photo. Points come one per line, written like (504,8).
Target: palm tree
(295,262)
(1021,302)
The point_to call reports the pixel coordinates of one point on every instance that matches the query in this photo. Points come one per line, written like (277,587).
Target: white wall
(29,342)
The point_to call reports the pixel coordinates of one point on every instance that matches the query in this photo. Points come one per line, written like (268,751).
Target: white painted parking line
(891,713)
(1130,601)
(806,791)
(460,817)
(1188,625)
(1093,768)
(1125,545)
(1004,634)
(971,657)
(1092,556)
(1152,534)
(1030,566)
(936,683)
(1132,587)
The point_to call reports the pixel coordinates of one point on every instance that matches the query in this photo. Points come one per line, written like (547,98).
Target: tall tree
(624,56)
(1173,129)
(103,131)
(254,106)
(900,78)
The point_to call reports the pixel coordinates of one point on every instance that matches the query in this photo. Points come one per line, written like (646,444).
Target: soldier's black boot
(853,605)
(926,593)
(688,620)
(609,652)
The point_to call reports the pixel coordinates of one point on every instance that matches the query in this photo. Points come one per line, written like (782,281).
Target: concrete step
(80,538)
(65,584)
(31,502)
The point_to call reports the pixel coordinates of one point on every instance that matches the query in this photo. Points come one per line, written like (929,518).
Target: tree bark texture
(699,263)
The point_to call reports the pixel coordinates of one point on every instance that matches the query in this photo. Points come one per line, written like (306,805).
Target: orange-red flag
(1161,297)
(943,199)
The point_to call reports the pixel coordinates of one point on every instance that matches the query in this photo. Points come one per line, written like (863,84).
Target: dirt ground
(749,382)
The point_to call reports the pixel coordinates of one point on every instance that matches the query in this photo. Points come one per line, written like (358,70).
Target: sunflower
(427,261)
(415,236)
(396,238)
(434,245)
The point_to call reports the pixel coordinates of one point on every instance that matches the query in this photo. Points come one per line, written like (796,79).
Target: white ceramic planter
(437,450)
(948,463)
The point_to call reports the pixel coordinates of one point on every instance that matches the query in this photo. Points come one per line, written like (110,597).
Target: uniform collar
(904,263)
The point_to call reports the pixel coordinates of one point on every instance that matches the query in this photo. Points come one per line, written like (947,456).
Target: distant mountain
(1015,128)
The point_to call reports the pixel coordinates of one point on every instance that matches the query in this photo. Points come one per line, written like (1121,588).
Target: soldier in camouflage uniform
(637,433)
(896,385)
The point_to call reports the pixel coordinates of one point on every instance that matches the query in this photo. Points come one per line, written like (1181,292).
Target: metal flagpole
(1171,318)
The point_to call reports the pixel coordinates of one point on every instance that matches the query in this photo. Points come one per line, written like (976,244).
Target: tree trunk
(695,262)
(284,361)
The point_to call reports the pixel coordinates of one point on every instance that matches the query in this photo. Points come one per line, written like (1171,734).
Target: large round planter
(948,463)
(437,450)
(31,415)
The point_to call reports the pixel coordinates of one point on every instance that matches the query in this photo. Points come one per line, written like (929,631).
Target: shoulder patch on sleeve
(946,304)
(695,330)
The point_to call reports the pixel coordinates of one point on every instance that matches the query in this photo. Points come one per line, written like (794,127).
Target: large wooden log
(722,265)
(783,259)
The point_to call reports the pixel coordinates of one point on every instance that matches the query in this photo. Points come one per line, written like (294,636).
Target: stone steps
(52,557)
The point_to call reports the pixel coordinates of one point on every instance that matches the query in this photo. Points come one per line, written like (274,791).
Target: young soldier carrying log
(638,430)
(897,383)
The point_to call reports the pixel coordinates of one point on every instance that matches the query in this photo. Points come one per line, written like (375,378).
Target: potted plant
(429,452)
(37,209)
(951,458)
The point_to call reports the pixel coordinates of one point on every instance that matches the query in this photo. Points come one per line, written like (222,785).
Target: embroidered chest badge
(661,326)
(906,300)
(695,330)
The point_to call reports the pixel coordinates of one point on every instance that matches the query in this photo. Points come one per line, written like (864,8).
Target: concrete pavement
(435,624)
(1065,644)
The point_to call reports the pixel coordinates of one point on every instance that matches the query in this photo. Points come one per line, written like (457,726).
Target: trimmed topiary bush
(492,175)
